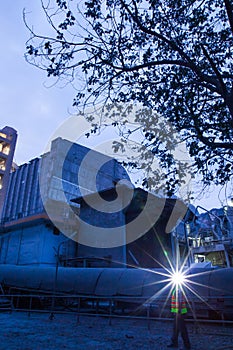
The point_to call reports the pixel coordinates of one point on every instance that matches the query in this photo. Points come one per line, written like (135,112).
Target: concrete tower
(8,137)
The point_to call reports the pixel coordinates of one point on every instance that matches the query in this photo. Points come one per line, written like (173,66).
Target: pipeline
(210,291)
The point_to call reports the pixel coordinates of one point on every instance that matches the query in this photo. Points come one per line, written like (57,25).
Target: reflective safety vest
(178,304)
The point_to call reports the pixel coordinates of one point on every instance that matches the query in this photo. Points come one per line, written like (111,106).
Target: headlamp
(178,278)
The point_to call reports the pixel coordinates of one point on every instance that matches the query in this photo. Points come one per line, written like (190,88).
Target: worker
(179,309)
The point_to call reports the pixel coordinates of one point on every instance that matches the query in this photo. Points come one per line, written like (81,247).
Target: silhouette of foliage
(173,57)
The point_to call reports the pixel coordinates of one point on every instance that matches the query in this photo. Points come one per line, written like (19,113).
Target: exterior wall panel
(24,241)
(23,196)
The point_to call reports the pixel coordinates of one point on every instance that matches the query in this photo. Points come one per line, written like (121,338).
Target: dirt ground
(18,331)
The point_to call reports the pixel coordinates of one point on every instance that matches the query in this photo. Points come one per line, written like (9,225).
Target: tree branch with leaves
(172,57)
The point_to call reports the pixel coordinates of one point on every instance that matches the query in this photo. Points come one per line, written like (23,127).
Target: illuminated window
(6,150)
(188,228)
(3,135)
(2,164)
(0,182)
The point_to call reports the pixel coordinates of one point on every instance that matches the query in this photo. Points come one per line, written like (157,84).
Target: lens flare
(178,278)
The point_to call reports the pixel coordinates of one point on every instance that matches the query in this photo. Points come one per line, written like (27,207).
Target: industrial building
(28,234)
(43,219)
(72,225)
(210,236)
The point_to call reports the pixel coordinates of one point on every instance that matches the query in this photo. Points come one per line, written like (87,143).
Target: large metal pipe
(207,287)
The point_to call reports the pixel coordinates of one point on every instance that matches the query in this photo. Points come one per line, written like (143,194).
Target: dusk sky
(28,102)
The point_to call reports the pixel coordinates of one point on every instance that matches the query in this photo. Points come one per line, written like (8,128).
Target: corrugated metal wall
(56,173)
(23,196)
(60,166)
(32,245)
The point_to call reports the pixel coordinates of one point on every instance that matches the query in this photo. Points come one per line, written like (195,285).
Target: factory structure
(31,235)
(211,236)
(72,222)
(52,207)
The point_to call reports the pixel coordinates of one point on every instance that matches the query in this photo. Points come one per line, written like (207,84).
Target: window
(2,164)
(6,149)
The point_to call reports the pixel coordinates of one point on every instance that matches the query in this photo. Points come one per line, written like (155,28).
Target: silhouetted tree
(173,57)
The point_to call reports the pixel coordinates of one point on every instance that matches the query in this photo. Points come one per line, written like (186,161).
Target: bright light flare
(178,278)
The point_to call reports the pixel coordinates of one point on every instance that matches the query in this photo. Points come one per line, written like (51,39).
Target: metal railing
(108,306)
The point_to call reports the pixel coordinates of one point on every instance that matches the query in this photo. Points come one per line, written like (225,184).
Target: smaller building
(210,236)
(143,228)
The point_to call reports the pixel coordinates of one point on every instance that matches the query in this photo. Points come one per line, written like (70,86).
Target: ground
(19,331)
